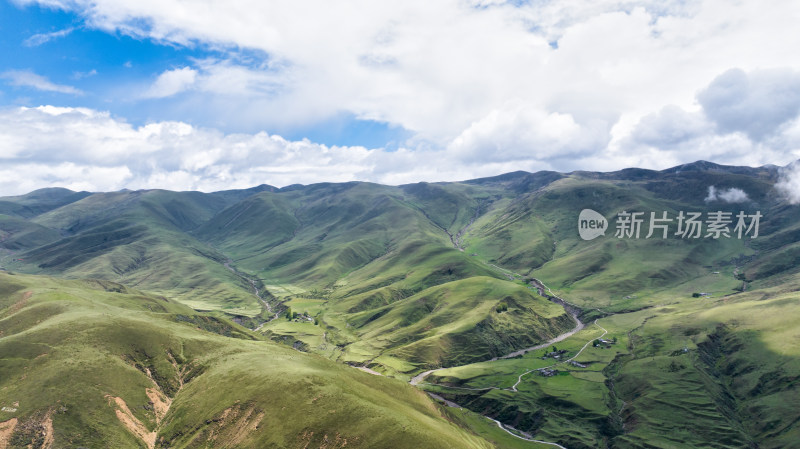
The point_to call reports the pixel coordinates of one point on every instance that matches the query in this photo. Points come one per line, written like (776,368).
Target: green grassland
(699,372)
(455,323)
(138,239)
(380,269)
(69,348)
(402,280)
(39,201)
(537,235)
(645,391)
(490,431)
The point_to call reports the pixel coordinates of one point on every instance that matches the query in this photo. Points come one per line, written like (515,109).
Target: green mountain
(679,342)
(140,239)
(97,364)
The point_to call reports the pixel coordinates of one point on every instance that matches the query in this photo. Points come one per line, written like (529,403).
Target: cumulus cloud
(92,150)
(438,68)
(741,118)
(88,149)
(171,82)
(788,186)
(518,132)
(27,78)
(670,128)
(99,152)
(730,195)
(488,84)
(756,104)
(26,177)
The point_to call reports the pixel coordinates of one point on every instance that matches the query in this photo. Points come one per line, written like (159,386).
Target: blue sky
(108,68)
(102,95)
(93,61)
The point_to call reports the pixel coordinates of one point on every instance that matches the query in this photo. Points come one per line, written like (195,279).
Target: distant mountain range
(228,319)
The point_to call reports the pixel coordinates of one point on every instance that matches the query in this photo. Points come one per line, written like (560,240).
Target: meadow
(238,318)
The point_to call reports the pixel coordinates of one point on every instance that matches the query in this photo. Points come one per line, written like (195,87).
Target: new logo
(591,224)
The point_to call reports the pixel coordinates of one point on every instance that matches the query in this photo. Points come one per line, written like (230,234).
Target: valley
(236,319)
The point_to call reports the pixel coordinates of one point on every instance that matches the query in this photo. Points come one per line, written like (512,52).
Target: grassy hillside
(39,201)
(17,233)
(717,372)
(455,323)
(698,348)
(137,238)
(353,248)
(316,235)
(536,234)
(366,245)
(391,287)
(93,363)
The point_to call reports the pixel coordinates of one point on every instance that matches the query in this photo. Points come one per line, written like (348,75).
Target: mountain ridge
(401,280)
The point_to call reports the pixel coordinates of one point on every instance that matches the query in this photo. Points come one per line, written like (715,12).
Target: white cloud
(520,133)
(91,150)
(730,195)
(568,84)
(171,82)
(436,68)
(26,78)
(788,186)
(743,118)
(756,104)
(80,75)
(42,38)
(670,128)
